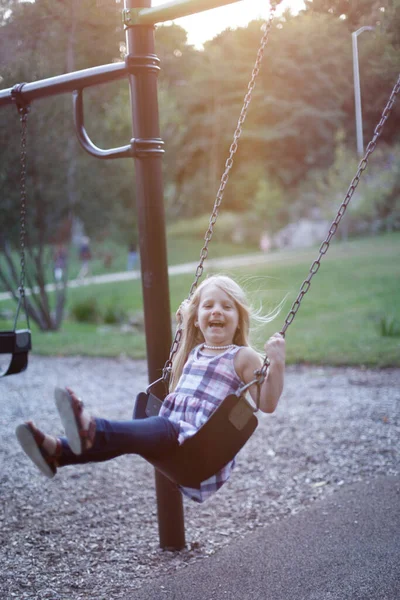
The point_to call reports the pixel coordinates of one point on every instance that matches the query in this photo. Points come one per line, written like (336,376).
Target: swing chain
(24,117)
(234,146)
(23,110)
(225,176)
(174,349)
(333,228)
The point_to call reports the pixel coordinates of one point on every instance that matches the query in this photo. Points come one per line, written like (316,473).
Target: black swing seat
(215,444)
(17,343)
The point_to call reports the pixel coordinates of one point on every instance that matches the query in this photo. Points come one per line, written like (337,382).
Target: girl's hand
(272,387)
(275,349)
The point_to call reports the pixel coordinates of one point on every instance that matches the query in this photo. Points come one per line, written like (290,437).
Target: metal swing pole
(142,63)
(143,66)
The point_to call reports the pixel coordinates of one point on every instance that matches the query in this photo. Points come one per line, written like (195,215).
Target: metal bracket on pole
(84,139)
(139,148)
(17,97)
(130,17)
(143,148)
(149,62)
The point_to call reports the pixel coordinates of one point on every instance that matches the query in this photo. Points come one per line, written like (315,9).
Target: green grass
(179,251)
(339,321)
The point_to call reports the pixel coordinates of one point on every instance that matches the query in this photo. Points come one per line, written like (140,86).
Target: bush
(389,326)
(86,311)
(233,228)
(114,315)
(375,206)
(196,227)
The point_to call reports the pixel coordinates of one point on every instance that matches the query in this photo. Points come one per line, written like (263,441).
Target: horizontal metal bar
(175,9)
(69,82)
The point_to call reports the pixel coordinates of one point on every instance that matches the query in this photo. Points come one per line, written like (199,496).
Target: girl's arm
(249,361)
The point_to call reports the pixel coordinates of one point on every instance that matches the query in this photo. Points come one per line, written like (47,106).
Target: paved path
(346,547)
(220,263)
(131,275)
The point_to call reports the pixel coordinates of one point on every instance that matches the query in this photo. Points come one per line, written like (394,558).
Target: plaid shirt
(204,384)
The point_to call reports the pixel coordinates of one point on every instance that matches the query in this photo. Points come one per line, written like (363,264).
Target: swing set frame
(141,67)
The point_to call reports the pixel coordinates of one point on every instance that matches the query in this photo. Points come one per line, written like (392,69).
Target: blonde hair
(192,336)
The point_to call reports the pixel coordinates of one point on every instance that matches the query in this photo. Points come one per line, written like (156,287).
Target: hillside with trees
(297,152)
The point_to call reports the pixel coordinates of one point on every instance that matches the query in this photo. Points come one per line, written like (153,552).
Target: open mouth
(216,324)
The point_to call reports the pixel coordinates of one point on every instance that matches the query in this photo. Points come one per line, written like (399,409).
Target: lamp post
(357,92)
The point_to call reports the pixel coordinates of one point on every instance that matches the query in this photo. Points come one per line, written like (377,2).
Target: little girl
(213,361)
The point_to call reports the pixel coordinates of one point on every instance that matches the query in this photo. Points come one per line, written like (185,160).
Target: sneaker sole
(31,449)
(65,409)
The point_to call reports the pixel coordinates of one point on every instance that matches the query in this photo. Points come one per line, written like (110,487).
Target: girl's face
(217,316)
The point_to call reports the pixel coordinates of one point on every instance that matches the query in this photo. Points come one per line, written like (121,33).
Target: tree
(296,108)
(354,14)
(39,40)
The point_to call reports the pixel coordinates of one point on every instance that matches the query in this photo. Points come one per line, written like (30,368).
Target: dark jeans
(151,438)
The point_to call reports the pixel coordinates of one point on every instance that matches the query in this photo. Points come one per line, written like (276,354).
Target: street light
(357,92)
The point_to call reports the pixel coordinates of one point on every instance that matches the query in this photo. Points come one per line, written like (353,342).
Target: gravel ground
(92,531)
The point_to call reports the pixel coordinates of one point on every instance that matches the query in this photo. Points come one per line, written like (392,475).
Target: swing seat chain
(18,342)
(225,176)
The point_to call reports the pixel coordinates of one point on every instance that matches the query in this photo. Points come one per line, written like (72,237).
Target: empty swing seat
(17,343)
